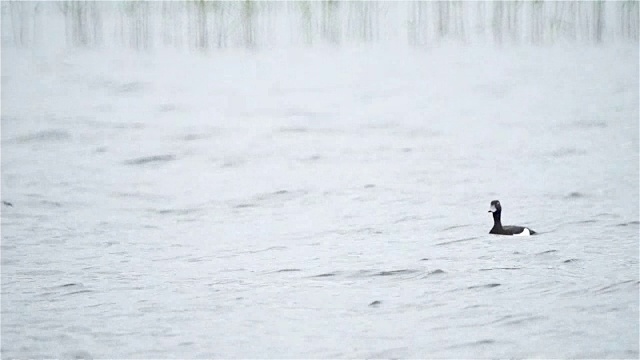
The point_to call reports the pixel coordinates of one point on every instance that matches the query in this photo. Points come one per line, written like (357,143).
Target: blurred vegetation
(221,24)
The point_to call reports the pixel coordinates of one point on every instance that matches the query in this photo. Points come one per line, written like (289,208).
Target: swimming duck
(498,229)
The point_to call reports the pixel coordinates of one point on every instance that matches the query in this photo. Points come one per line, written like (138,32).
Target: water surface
(320,204)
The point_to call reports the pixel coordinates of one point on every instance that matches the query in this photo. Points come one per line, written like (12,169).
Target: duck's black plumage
(498,229)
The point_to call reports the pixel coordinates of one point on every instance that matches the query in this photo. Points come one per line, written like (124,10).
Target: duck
(498,229)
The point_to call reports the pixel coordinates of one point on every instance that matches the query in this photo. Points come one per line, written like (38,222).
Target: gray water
(320,203)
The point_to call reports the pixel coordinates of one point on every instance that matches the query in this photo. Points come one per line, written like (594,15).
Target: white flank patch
(525,232)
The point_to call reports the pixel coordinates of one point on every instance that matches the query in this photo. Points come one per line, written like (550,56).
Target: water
(320,203)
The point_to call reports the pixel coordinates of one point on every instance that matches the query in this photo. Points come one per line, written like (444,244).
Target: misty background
(311,179)
(210,25)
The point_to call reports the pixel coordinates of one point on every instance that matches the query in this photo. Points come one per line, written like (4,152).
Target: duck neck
(497,224)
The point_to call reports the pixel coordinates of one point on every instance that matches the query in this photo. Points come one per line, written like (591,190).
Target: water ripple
(616,287)
(457,241)
(42,136)
(151,159)
(485,286)
(473,344)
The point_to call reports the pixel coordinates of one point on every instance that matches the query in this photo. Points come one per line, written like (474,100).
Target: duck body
(511,230)
(498,229)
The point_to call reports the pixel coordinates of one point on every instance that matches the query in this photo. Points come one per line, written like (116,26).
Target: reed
(207,25)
